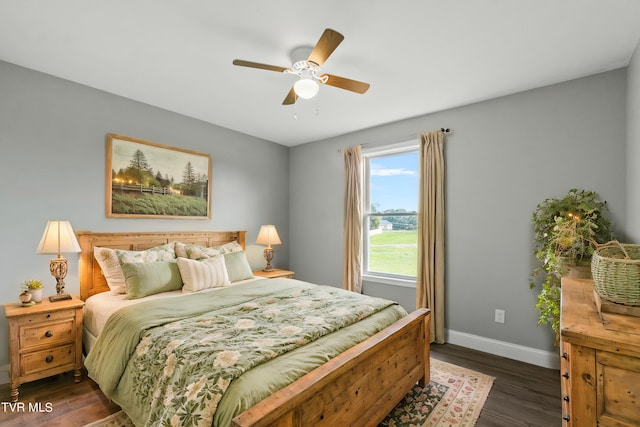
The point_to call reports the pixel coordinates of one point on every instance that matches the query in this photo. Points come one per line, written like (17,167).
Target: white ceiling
(420,56)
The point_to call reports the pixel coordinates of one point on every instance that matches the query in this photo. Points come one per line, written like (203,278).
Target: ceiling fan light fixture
(306,88)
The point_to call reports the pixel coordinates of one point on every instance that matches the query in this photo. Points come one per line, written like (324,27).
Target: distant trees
(402,222)
(140,172)
(374,221)
(193,184)
(407,221)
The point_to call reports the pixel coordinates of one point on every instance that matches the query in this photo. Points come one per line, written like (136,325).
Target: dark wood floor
(522,395)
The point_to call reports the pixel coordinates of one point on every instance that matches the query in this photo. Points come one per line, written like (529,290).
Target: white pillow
(110,265)
(200,252)
(180,250)
(199,275)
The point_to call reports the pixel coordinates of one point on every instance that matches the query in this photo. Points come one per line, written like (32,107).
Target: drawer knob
(48,334)
(49,358)
(566,375)
(566,418)
(565,398)
(564,355)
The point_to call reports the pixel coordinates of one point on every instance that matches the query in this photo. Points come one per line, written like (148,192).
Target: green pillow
(150,278)
(237,265)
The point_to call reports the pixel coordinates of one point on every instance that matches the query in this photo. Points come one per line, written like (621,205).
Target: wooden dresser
(44,340)
(600,361)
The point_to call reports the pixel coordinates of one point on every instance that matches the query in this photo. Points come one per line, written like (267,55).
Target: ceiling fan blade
(291,98)
(348,84)
(250,64)
(328,42)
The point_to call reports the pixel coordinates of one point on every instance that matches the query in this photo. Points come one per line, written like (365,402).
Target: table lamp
(58,238)
(268,235)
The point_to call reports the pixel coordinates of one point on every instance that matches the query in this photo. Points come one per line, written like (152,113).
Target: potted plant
(34,287)
(566,231)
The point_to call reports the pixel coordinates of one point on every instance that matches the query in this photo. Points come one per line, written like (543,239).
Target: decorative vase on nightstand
(36,295)
(25,297)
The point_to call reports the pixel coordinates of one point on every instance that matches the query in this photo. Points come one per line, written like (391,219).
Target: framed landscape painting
(149,180)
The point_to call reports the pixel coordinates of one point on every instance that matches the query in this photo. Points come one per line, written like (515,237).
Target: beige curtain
(430,278)
(352,233)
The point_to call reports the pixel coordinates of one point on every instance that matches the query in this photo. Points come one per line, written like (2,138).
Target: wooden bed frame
(356,388)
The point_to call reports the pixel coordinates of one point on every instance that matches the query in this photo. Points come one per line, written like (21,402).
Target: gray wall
(633,146)
(503,158)
(52,166)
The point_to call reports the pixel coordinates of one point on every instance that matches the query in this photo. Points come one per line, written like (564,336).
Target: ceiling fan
(306,62)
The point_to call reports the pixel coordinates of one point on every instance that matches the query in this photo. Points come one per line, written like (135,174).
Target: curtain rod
(416,135)
(445,130)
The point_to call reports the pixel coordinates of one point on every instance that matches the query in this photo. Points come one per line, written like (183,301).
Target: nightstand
(275,273)
(44,339)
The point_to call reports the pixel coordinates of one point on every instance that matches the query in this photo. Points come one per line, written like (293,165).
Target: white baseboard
(4,374)
(535,356)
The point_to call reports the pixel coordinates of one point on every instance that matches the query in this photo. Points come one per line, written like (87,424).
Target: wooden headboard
(92,280)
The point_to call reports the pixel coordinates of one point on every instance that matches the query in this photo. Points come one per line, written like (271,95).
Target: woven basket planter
(616,273)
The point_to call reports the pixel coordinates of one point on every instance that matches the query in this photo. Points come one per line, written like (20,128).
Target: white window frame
(368,154)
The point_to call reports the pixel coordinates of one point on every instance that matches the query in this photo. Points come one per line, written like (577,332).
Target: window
(390,214)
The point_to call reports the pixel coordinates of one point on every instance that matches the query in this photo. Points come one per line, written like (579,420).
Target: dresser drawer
(618,389)
(39,361)
(46,317)
(46,333)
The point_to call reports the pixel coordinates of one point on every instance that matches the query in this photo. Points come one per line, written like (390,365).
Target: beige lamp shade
(58,238)
(268,235)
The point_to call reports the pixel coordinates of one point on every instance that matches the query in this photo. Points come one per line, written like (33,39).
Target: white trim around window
(368,154)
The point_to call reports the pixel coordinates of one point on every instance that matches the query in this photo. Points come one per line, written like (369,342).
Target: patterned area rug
(454,397)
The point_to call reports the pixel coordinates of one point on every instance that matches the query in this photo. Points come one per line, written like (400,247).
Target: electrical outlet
(499,316)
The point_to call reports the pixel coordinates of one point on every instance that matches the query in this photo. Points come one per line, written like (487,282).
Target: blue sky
(394,182)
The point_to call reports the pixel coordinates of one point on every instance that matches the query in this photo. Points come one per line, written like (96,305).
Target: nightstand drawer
(40,361)
(46,333)
(51,316)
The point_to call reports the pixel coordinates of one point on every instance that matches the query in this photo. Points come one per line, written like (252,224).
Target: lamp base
(59,297)
(268,255)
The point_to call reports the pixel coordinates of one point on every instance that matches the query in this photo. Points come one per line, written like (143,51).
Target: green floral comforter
(169,362)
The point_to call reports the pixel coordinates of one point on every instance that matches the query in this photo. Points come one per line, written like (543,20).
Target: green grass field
(147,204)
(394,252)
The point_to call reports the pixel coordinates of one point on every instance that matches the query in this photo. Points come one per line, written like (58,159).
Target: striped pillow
(199,275)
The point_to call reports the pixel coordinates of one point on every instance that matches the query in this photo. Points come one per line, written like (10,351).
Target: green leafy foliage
(567,231)
(548,303)
(32,284)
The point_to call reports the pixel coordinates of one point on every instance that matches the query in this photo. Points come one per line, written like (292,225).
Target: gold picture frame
(141,180)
